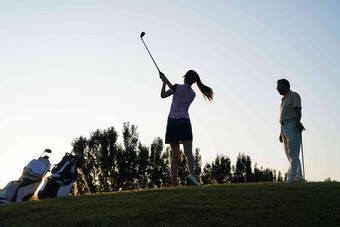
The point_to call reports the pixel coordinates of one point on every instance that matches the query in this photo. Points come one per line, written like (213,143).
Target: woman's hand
(164,79)
(162,76)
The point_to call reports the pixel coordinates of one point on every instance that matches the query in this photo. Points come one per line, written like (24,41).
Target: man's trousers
(291,139)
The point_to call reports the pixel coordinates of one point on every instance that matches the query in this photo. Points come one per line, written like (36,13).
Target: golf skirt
(178,130)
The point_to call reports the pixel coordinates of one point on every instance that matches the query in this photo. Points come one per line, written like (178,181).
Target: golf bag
(24,188)
(63,176)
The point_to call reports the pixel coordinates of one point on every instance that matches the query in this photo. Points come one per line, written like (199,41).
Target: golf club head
(142,34)
(46,151)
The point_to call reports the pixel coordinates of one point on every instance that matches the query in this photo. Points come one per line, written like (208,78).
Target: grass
(264,204)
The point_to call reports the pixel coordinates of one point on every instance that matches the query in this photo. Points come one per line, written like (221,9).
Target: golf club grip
(150,55)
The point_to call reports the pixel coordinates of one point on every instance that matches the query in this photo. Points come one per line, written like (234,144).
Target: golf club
(141,36)
(303,161)
(46,151)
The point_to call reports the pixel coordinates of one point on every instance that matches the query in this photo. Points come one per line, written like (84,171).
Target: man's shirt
(288,105)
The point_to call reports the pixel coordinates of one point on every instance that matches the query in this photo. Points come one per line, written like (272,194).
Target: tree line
(110,166)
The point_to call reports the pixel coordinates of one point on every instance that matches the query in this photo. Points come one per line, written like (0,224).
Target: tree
(221,169)
(79,145)
(257,173)
(98,164)
(217,172)
(155,167)
(249,174)
(265,175)
(198,164)
(329,180)
(242,171)
(143,164)
(274,175)
(109,166)
(207,177)
(182,169)
(165,168)
(102,145)
(279,177)
(130,141)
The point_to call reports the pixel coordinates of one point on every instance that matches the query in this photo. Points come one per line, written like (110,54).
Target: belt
(286,122)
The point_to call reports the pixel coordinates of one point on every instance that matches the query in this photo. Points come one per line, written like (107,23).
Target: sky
(68,68)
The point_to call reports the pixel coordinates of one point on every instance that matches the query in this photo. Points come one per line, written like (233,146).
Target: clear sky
(70,67)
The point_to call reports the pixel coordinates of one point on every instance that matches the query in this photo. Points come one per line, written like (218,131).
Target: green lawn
(265,204)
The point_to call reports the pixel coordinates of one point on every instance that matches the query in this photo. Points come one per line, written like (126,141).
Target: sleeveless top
(183,95)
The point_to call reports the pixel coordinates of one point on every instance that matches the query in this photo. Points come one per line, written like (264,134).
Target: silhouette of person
(291,128)
(178,129)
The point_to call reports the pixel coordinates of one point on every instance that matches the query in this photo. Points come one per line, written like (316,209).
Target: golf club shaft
(83,176)
(150,55)
(303,162)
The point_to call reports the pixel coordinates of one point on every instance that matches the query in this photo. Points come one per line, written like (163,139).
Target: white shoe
(192,180)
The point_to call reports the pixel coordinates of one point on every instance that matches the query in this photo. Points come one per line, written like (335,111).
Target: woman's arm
(165,94)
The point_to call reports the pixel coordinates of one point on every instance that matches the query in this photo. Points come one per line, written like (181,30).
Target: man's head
(283,86)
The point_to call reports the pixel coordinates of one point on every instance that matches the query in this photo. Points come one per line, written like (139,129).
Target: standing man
(291,128)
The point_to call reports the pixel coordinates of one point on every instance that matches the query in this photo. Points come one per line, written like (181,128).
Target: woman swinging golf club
(178,128)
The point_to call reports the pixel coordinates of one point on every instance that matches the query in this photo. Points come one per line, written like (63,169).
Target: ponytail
(193,77)
(206,91)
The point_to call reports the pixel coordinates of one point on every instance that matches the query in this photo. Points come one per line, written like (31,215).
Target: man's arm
(299,126)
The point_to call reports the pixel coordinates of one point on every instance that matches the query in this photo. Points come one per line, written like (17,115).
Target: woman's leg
(174,162)
(189,156)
